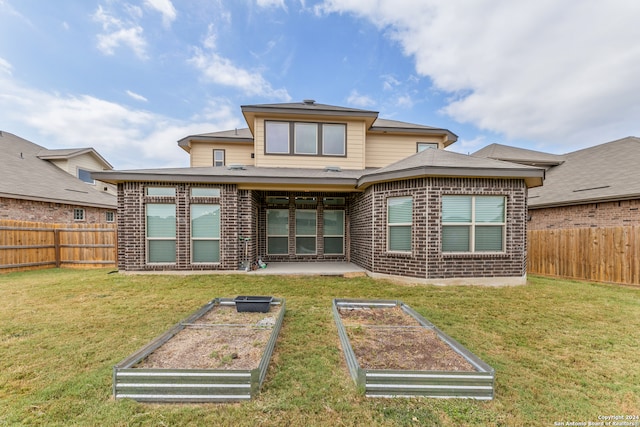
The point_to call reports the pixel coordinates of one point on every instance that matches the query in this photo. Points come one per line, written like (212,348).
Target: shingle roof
(605,172)
(430,162)
(519,155)
(307,105)
(433,162)
(67,153)
(25,176)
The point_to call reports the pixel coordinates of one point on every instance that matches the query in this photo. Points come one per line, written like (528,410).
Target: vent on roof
(309,101)
(332,169)
(236,167)
(592,188)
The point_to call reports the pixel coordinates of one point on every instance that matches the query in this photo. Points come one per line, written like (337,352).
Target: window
(473,223)
(424,145)
(333,140)
(399,222)
(278,200)
(308,201)
(109,216)
(205,192)
(277,138)
(310,139)
(218,157)
(306,138)
(161,191)
(305,231)
(78,214)
(277,231)
(85,176)
(161,233)
(333,201)
(205,233)
(333,232)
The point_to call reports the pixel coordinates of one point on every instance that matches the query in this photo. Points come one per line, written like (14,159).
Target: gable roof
(519,155)
(434,162)
(605,172)
(68,153)
(398,127)
(26,176)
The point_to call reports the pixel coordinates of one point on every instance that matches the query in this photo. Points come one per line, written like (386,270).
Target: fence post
(56,243)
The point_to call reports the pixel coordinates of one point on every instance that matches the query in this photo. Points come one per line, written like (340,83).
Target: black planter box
(259,304)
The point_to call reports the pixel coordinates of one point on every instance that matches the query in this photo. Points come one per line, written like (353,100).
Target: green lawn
(563,351)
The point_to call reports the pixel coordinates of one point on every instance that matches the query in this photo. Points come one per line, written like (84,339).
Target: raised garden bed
(392,351)
(215,355)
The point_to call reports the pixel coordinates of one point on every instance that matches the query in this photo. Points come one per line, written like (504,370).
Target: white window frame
(473,224)
(421,146)
(217,162)
(399,224)
(277,235)
(314,235)
(325,235)
(149,239)
(207,239)
(78,214)
(109,216)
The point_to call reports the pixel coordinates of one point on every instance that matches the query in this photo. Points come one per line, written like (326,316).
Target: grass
(563,350)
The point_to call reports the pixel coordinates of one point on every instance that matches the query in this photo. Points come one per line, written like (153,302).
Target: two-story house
(307,182)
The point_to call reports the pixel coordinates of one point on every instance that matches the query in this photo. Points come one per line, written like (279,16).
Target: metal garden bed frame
(192,385)
(404,383)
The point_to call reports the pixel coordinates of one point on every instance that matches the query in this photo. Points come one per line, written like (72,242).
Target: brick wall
(426,259)
(131,226)
(30,210)
(608,214)
(361,229)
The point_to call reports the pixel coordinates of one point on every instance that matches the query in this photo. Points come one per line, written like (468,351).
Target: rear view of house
(307,182)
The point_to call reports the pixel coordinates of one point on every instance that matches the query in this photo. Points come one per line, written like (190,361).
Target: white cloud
(117,32)
(389,82)
(136,96)
(165,7)
(272,3)
(219,70)
(547,71)
(405,101)
(128,138)
(5,66)
(359,100)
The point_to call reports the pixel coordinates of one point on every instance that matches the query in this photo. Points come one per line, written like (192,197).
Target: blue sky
(130,78)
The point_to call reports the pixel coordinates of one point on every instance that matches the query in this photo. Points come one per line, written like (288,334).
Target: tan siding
(353,160)
(235,153)
(383,150)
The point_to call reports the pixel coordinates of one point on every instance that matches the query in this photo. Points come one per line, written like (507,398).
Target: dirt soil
(221,339)
(388,338)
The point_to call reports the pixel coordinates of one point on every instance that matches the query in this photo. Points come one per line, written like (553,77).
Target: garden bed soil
(221,339)
(388,338)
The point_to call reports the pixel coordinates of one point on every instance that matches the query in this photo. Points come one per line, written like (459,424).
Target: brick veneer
(607,214)
(426,259)
(243,213)
(35,211)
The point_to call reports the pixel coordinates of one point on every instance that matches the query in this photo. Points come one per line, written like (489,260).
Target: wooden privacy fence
(602,254)
(33,245)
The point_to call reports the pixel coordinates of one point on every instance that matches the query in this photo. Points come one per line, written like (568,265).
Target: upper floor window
(424,145)
(310,139)
(473,223)
(218,157)
(85,176)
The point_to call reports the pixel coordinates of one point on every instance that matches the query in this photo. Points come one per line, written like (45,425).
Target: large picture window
(473,223)
(205,233)
(399,223)
(277,231)
(308,139)
(161,233)
(333,232)
(306,231)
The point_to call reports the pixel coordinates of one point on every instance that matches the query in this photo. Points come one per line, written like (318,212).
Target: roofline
(316,111)
(528,161)
(184,141)
(583,201)
(80,151)
(533,178)
(450,136)
(61,201)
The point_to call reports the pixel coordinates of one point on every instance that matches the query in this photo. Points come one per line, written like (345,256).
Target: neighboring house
(53,186)
(308,182)
(595,187)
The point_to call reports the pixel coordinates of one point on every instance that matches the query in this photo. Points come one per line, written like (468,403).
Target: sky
(132,77)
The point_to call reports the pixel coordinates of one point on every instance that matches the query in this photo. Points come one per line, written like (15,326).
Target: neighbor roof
(68,153)
(26,176)
(605,172)
(519,155)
